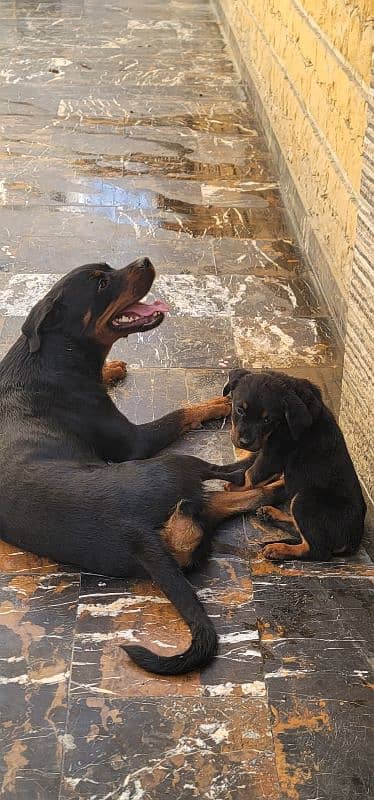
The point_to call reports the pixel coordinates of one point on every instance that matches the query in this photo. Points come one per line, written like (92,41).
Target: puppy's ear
(297,415)
(32,327)
(235,376)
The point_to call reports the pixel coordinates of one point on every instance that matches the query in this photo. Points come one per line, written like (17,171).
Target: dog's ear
(297,415)
(235,376)
(32,327)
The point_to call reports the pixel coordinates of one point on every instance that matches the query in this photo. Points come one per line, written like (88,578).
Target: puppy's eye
(266,420)
(102,283)
(240,411)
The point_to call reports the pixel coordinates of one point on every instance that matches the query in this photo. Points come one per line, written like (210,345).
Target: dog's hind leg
(183,534)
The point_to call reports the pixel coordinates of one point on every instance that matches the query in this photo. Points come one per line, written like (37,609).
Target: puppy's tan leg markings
(276,551)
(182,535)
(114,371)
(272,514)
(279,550)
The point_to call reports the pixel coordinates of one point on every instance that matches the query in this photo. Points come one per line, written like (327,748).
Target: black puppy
(291,433)
(59,496)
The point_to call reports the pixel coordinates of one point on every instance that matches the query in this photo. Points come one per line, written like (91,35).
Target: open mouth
(139,317)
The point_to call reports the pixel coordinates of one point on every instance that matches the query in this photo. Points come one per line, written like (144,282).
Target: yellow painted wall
(311,63)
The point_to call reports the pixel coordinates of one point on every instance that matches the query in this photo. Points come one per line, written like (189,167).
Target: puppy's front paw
(276,551)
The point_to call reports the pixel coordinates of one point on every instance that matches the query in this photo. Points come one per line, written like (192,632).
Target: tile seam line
(362,576)
(68,692)
(350,71)
(261,650)
(269,720)
(320,136)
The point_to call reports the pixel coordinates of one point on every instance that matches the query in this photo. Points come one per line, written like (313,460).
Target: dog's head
(263,402)
(97,303)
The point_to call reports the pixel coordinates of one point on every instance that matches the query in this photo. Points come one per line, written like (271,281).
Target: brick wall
(309,65)
(356,415)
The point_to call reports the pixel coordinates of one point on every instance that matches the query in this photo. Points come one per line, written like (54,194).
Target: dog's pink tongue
(147,309)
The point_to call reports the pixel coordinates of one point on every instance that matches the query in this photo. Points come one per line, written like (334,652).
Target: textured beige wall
(310,62)
(357,403)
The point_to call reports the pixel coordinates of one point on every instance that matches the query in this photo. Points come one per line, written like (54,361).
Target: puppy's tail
(164,571)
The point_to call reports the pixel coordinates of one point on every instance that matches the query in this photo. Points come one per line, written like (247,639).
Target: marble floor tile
(324,748)
(236,296)
(182,342)
(284,341)
(287,607)
(170,253)
(147,394)
(188,295)
(137,68)
(185,746)
(267,256)
(186,342)
(113,612)
(18,562)
(38,615)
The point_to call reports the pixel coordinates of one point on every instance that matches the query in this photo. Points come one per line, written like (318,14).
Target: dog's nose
(146,263)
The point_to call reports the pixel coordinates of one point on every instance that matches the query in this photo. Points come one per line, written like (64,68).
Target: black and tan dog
(59,496)
(294,438)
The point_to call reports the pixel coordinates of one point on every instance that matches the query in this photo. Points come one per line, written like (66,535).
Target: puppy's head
(97,303)
(264,402)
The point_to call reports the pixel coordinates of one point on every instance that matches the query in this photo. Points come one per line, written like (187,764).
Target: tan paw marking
(276,551)
(114,371)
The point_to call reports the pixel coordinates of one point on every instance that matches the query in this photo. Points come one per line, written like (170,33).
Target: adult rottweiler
(292,435)
(65,492)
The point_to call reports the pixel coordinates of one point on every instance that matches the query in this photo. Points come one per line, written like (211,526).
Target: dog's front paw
(276,551)
(215,408)
(114,371)
(218,407)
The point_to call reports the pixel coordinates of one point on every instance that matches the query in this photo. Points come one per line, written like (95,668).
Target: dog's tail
(164,571)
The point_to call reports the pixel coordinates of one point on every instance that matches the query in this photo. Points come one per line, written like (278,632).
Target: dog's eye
(102,283)
(266,420)
(240,411)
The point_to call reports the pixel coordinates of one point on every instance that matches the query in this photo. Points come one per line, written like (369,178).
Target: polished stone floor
(126,132)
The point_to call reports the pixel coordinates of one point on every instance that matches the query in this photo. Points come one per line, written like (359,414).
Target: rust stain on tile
(15,761)
(14,560)
(292,776)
